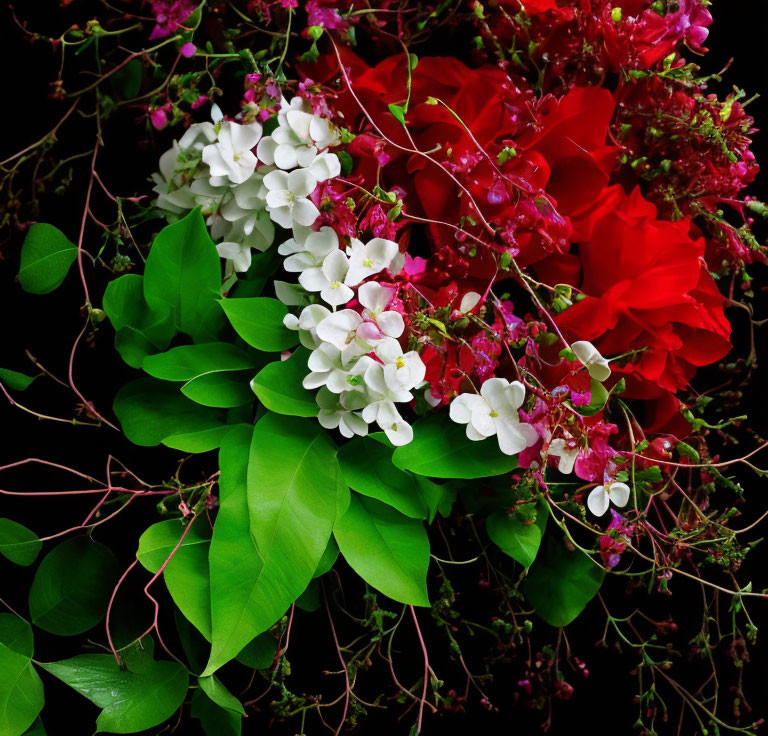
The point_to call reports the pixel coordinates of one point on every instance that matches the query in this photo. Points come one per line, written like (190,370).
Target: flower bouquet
(419,295)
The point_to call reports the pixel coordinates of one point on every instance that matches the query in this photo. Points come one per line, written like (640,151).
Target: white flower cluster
(356,362)
(242,194)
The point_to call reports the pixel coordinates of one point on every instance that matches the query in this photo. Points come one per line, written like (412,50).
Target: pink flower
(170,14)
(158,118)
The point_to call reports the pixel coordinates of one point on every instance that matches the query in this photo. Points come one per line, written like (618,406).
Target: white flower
(332,415)
(325,166)
(376,298)
(402,371)
(328,369)
(596,364)
(495,412)
(311,251)
(231,155)
(287,201)
(368,259)
(306,323)
(328,279)
(356,334)
(567,455)
(239,254)
(599,497)
(386,415)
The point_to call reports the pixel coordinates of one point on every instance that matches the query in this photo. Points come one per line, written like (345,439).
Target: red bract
(647,289)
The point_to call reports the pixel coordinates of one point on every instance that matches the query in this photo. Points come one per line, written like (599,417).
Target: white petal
(305,212)
(276,180)
(285,157)
(375,297)
(469,301)
(511,442)
(325,166)
(301,183)
(390,323)
(266,150)
(313,279)
(597,501)
(335,266)
(337,295)
(619,494)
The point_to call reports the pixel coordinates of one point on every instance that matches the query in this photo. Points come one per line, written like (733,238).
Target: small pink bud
(158,118)
(188,50)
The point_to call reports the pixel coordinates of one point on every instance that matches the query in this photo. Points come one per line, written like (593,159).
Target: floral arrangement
(414,289)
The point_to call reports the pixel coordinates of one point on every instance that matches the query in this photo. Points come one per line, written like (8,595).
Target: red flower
(647,288)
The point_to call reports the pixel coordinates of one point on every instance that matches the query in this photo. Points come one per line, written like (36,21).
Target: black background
(47,326)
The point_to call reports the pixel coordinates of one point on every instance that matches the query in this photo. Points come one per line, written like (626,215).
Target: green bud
(616,15)
(314,32)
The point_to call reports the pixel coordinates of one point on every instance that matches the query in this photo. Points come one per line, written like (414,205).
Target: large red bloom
(647,286)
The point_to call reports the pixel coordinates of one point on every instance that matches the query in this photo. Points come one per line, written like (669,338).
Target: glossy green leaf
(328,559)
(183,274)
(17,543)
(278,386)
(72,586)
(21,692)
(387,549)
(215,720)
(213,688)
(259,321)
(139,329)
(36,729)
(220,389)
(151,411)
(186,574)
(16,634)
(441,449)
(292,487)
(203,440)
(518,539)
(561,582)
(367,467)
(14,380)
(233,559)
(46,257)
(186,362)
(139,697)
(260,653)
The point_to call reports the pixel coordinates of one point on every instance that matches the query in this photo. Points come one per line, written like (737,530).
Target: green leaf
(260,653)
(36,729)
(561,582)
(278,386)
(328,559)
(216,721)
(203,440)
(72,586)
(139,329)
(516,538)
(17,543)
(144,695)
(387,549)
(14,380)
(441,449)
(186,574)
(126,81)
(152,411)
(46,257)
(220,389)
(183,274)
(309,600)
(233,560)
(186,362)
(398,112)
(259,321)
(367,467)
(292,488)
(599,395)
(16,634)
(220,695)
(21,692)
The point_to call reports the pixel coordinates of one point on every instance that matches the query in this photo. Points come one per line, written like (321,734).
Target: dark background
(47,326)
